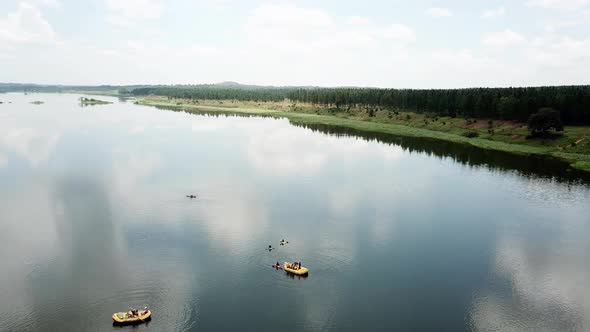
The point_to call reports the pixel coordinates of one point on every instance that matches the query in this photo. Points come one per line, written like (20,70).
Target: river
(398,234)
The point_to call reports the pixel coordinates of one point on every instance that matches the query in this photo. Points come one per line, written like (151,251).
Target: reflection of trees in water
(530,166)
(466,154)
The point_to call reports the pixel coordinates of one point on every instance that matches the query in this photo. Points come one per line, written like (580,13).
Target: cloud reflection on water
(547,287)
(278,148)
(30,143)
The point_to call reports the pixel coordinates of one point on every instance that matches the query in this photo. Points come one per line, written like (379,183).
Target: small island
(92,101)
(37,102)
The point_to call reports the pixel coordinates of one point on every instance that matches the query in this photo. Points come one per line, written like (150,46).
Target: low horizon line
(291,86)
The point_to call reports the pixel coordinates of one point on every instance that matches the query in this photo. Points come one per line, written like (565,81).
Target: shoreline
(576,161)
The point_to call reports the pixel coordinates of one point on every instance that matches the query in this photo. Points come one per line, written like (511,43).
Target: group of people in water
(294,266)
(136,313)
(283,242)
(277,265)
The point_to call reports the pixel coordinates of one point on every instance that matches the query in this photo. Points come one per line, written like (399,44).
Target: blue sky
(401,44)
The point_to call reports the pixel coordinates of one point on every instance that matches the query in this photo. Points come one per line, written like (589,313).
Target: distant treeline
(573,102)
(17,87)
(496,103)
(216,93)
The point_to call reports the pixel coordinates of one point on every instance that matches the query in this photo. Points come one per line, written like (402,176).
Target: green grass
(573,146)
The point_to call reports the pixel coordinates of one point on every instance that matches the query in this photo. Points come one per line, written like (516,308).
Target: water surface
(398,233)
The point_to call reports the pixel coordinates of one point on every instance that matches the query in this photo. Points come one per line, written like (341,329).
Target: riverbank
(572,147)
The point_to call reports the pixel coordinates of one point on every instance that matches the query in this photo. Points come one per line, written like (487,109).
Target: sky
(377,43)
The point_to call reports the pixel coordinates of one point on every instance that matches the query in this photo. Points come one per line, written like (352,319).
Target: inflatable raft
(128,318)
(290,267)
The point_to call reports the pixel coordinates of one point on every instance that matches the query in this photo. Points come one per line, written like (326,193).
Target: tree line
(573,102)
(215,93)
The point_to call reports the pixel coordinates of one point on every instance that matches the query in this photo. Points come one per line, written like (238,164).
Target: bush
(543,121)
(471,134)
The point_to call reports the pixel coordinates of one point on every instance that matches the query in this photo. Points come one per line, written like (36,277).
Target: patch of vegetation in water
(37,102)
(92,101)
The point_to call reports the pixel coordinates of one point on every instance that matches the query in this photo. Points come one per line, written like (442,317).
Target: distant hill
(32,87)
(228,84)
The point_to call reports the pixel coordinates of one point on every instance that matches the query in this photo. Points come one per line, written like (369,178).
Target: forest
(573,102)
(214,92)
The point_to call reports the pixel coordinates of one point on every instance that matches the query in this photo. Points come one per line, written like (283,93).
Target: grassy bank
(572,147)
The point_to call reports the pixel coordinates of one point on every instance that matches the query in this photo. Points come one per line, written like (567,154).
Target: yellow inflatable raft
(292,268)
(128,317)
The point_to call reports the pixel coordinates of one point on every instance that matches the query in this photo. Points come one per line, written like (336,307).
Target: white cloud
(294,24)
(216,3)
(458,65)
(356,20)
(498,12)
(289,44)
(297,29)
(400,32)
(439,12)
(560,52)
(128,12)
(25,25)
(558,4)
(506,38)
(50,3)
